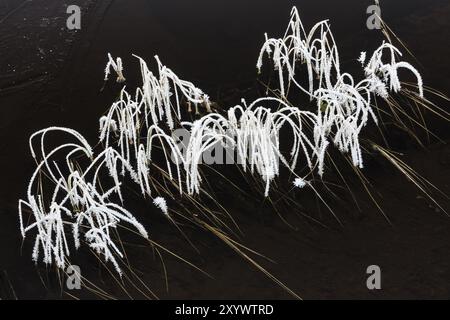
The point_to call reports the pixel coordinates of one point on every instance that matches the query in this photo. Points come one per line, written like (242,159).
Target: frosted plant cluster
(79,204)
(84,205)
(343,104)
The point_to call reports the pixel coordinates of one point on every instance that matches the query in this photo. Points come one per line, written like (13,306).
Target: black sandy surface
(52,76)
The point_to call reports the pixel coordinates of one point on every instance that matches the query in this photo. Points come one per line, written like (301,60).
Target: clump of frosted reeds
(344,105)
(163,95)
(79,205)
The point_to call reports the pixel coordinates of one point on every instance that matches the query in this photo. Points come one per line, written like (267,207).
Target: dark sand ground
(52,76)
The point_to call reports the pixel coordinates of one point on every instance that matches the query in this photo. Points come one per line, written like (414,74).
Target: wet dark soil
(52,76)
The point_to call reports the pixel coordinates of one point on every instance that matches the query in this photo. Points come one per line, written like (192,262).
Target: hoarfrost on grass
(139,124)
